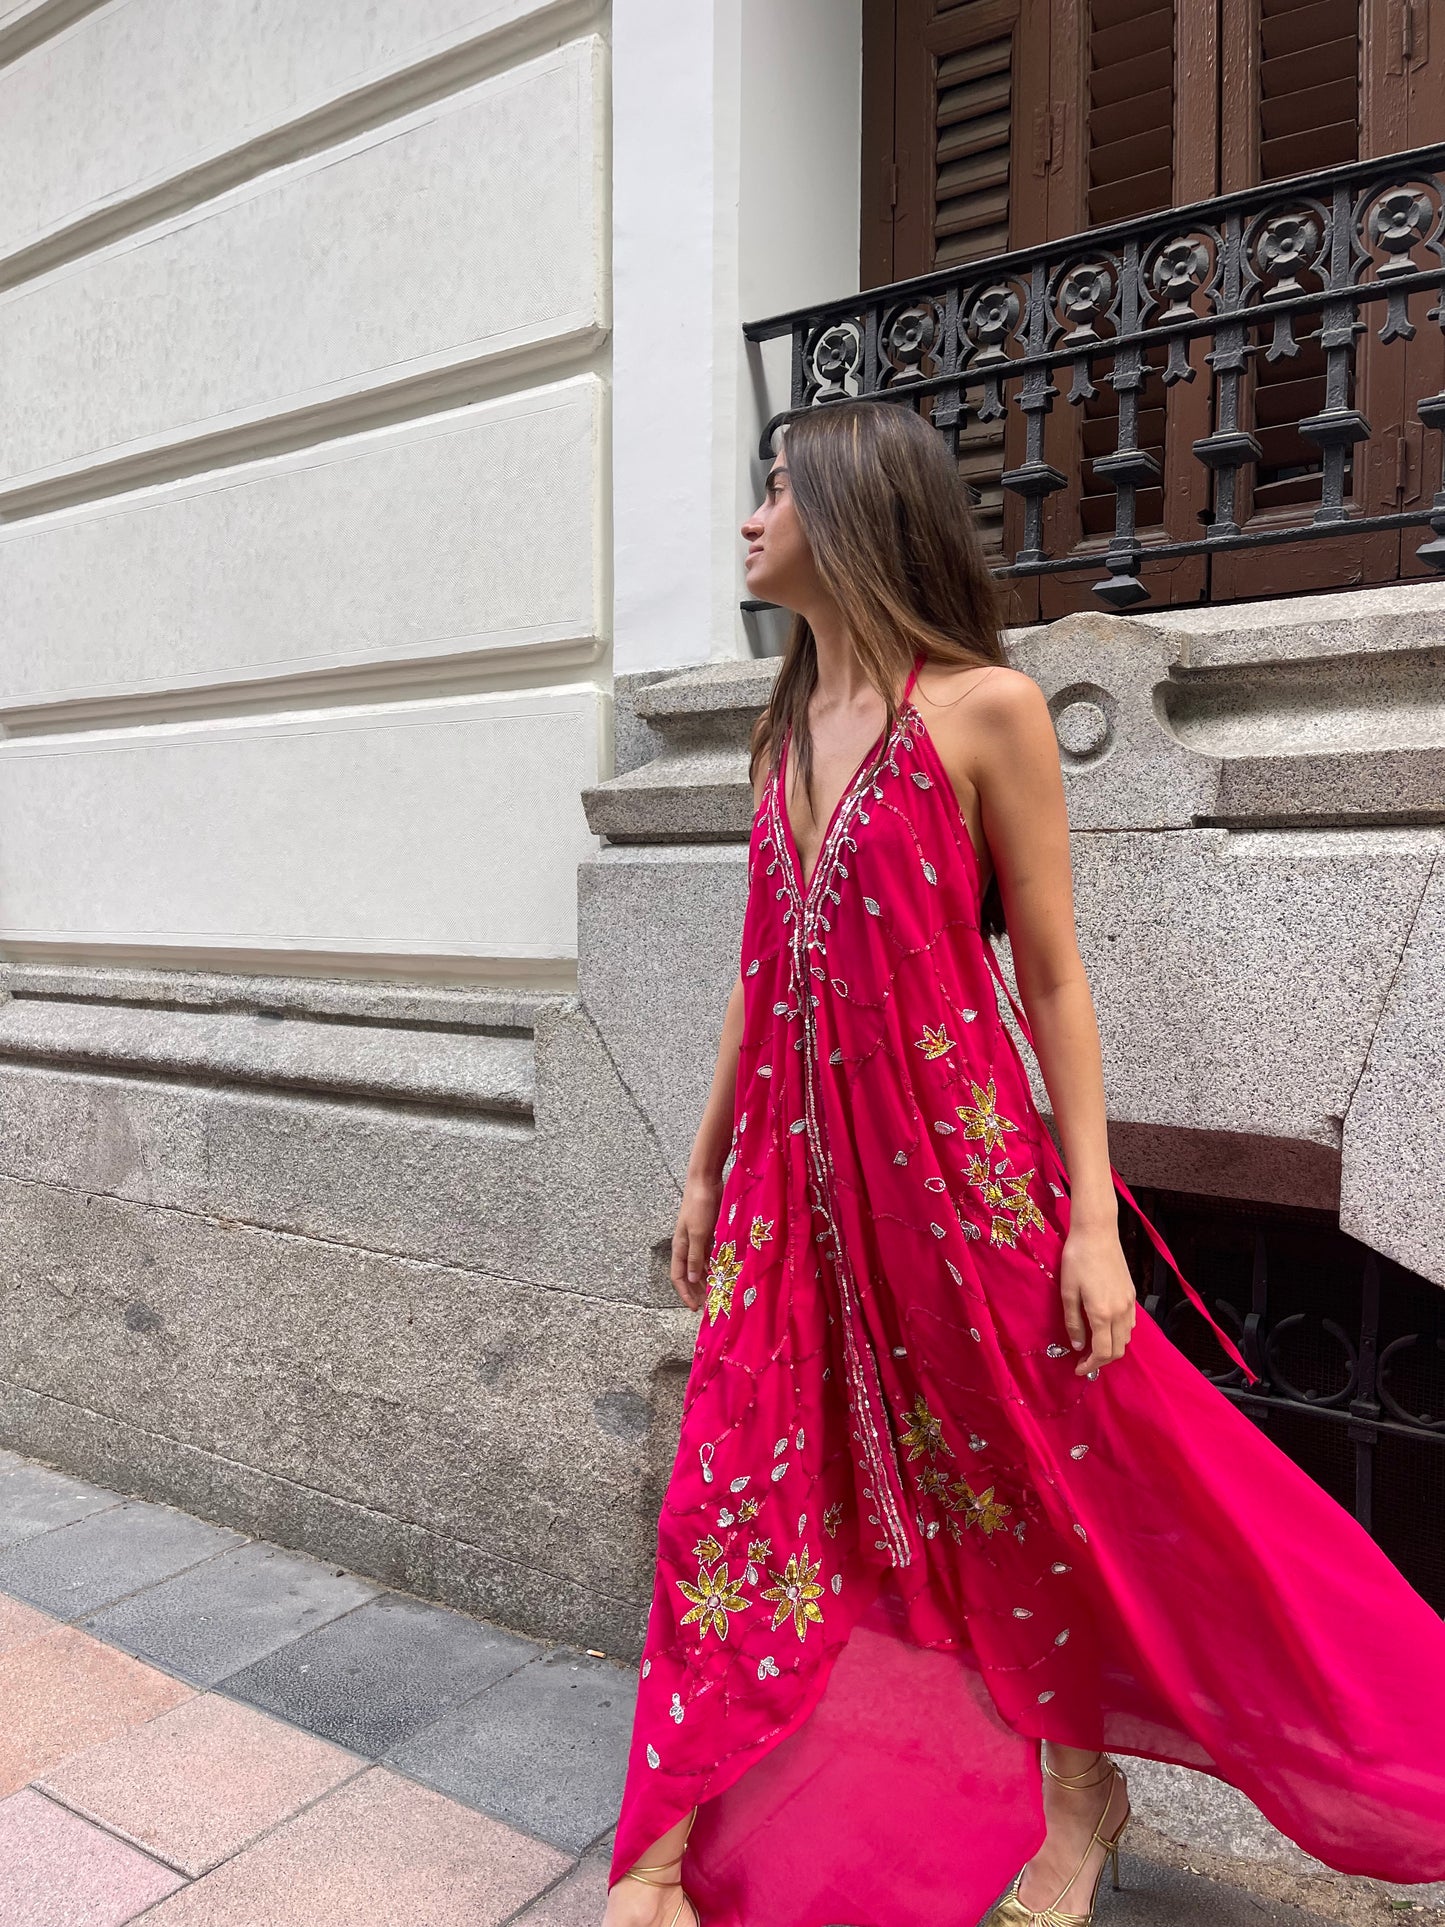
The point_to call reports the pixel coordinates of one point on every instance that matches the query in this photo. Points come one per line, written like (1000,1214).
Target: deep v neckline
(869,757)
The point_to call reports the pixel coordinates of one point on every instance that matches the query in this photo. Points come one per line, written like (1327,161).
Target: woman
(942,1510)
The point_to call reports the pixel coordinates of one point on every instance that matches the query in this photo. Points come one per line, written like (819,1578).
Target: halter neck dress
(903,1539)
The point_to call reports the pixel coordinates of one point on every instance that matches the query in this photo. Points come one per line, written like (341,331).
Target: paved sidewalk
(202,1730)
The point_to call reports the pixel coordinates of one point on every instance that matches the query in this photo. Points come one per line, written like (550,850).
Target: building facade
(381,389)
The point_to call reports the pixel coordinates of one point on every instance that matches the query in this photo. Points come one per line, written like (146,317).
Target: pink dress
(903,1540)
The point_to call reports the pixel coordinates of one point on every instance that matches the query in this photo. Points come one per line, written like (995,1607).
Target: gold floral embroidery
(935,1041)
(796,1592)
(1025,1211)
(713,1597)
(933,1482)
(747,1510)
(759,1550)
(980,1508)
(722,1275)
(761,1233)
(832,1519)
(1007,1195)
(924,1431)
(982,1119)
(707,1550)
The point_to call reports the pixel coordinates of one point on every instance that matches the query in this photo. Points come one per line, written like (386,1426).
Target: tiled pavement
(199,1730)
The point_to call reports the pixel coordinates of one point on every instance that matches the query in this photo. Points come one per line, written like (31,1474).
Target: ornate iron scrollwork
(1251,274)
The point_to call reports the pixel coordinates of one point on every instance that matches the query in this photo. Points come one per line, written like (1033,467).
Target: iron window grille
(1348,1345)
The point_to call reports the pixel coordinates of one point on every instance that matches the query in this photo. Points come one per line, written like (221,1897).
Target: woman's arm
(1004,737)
(702,1186)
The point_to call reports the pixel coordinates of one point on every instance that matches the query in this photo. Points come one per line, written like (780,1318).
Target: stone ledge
(684,778)
(1352,622)
(463,1050)
(1298,711)
(1356,787)
(470,1008)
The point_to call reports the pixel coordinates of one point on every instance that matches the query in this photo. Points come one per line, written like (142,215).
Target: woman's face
(779,565)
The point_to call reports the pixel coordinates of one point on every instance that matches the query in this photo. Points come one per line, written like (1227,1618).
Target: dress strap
(1154,1238)
(918,661)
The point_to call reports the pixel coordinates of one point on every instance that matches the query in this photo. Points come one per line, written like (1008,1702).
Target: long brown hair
(889,521)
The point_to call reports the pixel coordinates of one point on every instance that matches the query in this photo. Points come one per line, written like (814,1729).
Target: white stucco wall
(328,469)
(303,514)
(736,161)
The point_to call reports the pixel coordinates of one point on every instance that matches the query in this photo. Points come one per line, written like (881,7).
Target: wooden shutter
(1000,123)
(1309,84)
(952,89)
(956,160)
(1129,142)
(973,108)
(1145,141)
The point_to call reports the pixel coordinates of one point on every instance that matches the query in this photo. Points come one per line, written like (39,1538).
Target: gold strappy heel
(1011,1911)
(644,1875)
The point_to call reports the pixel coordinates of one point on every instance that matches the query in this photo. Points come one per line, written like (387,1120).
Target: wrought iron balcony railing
(1340,267)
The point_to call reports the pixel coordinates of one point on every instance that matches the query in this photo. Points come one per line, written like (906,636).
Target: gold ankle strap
(663,1866)
(1077,1779)
(643,1874)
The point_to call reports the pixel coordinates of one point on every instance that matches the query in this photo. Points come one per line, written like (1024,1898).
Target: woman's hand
(1096,1287)
(692,1238)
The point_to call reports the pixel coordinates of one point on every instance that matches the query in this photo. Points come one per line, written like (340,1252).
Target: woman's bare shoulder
(962,703)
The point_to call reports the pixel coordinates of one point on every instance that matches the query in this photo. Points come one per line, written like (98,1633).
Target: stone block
(606,1195)
(66,1692)
(456,1070)
(584,1201)
(248,73)
(1246,717)
(330,834)
(34,1499)
(108,1554)
(212,1620)
(436,1864)
(1394,1134)
(522,1432)
(1238,978)
(1124,769)
(683,774)
(1381,621)
(197,1784)
(55,1866)
(659,936)
(548,1604)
